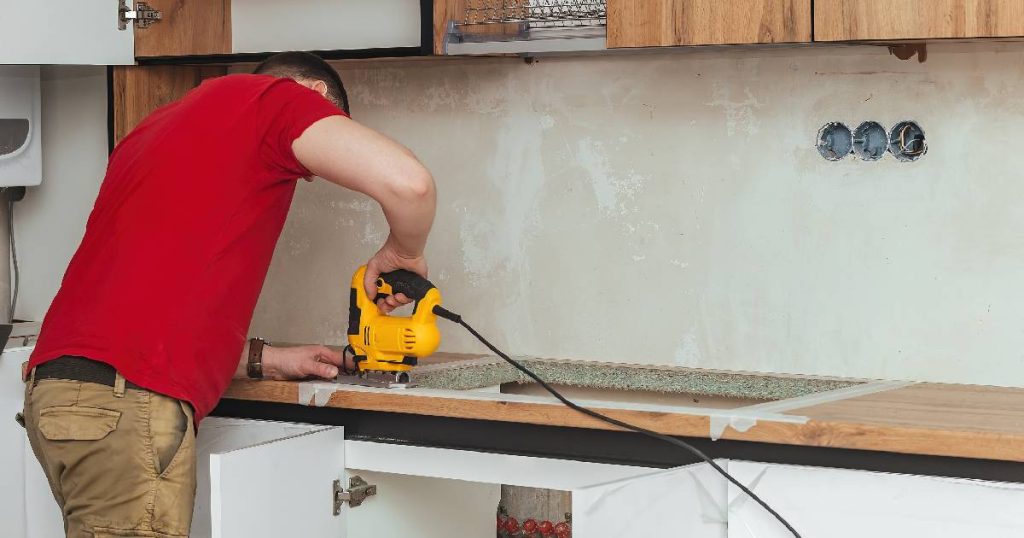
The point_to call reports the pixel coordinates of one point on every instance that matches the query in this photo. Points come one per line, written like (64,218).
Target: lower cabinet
(260,479)
(841,503)
(265,479)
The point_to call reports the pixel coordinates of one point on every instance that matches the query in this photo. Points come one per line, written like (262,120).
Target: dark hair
(303,65)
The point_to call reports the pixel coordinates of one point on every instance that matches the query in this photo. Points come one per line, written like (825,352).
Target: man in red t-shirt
(151,319)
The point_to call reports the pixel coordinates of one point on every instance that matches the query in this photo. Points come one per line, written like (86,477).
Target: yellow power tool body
(387,347)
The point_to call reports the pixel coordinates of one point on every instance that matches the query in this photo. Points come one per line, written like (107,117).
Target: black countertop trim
(255,57)
(624,448)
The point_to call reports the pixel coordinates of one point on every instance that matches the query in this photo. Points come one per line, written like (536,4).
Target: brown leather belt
(80,369)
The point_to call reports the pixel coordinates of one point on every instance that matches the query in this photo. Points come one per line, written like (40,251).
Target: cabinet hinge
(142,15)
(358,491)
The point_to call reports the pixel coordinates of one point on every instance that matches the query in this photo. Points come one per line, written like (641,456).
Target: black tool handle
(408,283)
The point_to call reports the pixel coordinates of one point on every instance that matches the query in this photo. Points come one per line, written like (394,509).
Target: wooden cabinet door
(211,27)
(666,23)
(851,20)
(444,12)
(186,28)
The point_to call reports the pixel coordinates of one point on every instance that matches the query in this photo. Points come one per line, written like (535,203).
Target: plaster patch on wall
(372,234)
(492,98)
(334,331)
(739,115)
(477,258)
(364,86)
(298,246)
(688,351)
(446,94)
(360,211)
(611,192)
(496,244)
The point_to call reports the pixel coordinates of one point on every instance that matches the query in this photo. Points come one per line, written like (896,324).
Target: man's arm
(359,158)
(295,362)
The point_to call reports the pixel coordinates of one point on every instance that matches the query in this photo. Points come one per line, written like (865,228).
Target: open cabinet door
(845,503)
(688,501)
(279,488)
(64,32)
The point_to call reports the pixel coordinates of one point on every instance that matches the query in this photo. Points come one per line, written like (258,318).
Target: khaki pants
(121,463)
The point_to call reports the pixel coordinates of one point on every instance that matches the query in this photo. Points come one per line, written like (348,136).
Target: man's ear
(320,87)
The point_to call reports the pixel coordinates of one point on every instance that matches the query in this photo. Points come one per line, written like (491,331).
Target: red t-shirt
(179,241)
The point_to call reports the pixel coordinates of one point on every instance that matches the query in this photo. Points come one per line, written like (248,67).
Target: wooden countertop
(923,418)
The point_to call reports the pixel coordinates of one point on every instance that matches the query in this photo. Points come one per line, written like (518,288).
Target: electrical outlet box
(21,155)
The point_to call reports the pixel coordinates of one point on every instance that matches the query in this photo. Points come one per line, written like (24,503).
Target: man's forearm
(410,214)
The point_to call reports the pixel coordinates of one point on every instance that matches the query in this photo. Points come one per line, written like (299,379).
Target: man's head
(310,71)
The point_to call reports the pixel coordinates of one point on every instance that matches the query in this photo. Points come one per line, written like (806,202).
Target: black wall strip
(357,54)
(625,448)
(110,109)
(426,27)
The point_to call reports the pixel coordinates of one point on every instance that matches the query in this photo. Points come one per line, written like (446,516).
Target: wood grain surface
(849,20)
(661,23)
(188,27)
(902,425)
(444,11)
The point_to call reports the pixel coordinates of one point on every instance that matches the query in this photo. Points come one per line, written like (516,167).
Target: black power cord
(451,316)
(13,194)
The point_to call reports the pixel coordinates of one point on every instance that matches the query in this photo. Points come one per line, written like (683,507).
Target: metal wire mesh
(536,13)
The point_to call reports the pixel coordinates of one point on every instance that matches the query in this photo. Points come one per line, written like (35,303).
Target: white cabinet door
(15,457)
(409,506)
(64,32)
(323,24)
(853,504)
(687,501)
(27,507)
(279,488)
(608,501)
(219,435)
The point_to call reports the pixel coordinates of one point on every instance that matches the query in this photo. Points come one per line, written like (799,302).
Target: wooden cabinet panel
(188,27)
(849,20)
(660,23)
(444,11)
(139,90)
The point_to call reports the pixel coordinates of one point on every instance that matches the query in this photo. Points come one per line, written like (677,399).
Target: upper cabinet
(186,28)
(215,27)
(664,23)
(324,25)
(63,32)
(848,20)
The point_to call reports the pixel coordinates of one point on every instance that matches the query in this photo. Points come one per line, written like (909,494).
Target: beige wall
(658,208)
(670,208)
(51,220)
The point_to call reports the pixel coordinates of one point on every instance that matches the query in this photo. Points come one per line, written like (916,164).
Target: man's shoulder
(238,82)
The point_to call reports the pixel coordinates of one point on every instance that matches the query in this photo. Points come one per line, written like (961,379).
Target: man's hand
(388,259)
(300,362)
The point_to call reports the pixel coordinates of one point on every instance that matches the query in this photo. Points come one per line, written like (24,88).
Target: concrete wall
(670,208)
(662,208)
(51,219)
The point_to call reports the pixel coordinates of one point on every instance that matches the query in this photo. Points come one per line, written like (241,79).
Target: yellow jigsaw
(386,347)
